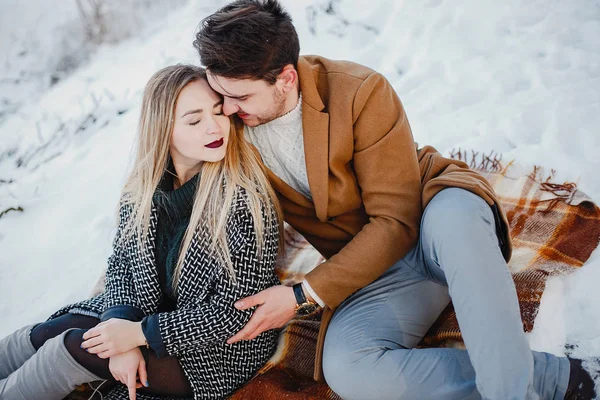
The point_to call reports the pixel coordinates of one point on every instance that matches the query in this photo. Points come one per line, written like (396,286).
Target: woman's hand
(126,366)
(113,337)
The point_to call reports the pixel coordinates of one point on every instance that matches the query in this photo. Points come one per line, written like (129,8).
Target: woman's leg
(60,365)
(54,327)
(15,349)
(51,373)
(165,375)
(19,346)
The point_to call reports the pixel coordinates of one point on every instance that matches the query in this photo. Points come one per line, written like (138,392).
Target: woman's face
(200,131)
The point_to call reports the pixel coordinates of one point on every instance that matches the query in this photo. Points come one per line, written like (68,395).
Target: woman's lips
(216,144)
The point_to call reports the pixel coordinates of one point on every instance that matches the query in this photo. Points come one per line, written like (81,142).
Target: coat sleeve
(388,176)
(119,294)
(213,320)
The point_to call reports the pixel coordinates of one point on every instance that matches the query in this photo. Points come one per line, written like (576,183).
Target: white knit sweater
(281,145)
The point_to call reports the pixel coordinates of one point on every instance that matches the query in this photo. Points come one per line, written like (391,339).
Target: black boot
(581,384)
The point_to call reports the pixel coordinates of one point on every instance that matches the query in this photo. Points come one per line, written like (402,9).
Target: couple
(192,301)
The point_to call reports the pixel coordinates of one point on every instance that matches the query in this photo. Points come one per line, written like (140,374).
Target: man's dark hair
(248,39)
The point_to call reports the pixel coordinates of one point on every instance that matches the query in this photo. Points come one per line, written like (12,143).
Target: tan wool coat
(369,182)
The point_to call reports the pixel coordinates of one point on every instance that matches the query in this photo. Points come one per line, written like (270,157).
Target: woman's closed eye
(196,122)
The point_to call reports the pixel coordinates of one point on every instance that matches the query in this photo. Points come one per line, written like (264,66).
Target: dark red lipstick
(216,144)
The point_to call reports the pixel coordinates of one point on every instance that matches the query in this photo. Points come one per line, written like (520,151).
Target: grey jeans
(370,344)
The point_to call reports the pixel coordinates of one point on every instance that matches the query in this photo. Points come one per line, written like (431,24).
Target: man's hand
(126,366)
(113,337)
(276,306)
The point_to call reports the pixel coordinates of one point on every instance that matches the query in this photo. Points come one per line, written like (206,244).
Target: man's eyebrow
(200,110)
(231,96)
(226,92)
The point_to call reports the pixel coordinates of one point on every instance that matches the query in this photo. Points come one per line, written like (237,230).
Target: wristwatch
(303,305)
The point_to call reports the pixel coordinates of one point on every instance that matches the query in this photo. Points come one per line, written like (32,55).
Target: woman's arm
(214,320)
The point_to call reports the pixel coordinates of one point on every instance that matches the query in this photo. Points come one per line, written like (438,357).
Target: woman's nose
(212,126)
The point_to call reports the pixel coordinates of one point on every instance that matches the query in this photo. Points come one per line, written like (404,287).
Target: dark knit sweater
(174,211)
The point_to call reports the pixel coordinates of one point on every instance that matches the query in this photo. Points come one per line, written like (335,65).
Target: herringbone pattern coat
(205,316)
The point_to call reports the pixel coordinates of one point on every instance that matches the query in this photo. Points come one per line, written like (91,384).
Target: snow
(518,77)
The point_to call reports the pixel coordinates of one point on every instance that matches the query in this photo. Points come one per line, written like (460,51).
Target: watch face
(306,308)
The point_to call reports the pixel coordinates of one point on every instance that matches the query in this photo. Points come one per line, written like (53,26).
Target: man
(403,231)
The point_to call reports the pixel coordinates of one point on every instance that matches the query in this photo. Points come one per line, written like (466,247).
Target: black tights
(165,375)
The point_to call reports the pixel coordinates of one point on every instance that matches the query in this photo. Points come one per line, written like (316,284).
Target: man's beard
(278,110)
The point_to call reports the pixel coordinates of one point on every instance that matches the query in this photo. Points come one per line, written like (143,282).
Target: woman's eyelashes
(218,111)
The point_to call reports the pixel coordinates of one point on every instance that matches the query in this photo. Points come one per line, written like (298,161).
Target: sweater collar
(180,199)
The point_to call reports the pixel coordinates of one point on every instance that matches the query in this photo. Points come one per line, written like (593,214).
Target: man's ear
(287,78)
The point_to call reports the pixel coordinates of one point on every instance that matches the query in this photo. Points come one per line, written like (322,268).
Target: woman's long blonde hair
(219,181)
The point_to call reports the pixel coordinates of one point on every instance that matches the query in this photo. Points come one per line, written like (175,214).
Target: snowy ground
(518,77)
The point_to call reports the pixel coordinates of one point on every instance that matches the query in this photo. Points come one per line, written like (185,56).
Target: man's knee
(347,377)
(342,366)
(454,213)
(456,204)
(370,376)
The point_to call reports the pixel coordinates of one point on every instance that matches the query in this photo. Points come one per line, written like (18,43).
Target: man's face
(255,101)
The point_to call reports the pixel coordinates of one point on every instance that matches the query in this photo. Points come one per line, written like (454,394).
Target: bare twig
(20,209)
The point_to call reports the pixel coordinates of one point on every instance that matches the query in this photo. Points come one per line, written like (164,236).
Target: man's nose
(229,106)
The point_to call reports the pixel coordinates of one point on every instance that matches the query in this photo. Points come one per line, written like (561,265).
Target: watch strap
(299,293)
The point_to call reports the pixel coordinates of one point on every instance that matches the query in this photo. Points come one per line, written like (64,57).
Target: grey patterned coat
(204,317)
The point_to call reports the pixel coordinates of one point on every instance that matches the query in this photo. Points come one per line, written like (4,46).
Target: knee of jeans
(354,378)
(344,378)
(339,368)
(453,213)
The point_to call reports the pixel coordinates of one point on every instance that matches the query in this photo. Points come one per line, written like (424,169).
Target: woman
(198,230)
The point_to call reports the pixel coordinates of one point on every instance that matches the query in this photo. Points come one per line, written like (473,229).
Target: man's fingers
(237,337)
(142,373)
(255,333)
(131,385)
(255,322)
(249,302)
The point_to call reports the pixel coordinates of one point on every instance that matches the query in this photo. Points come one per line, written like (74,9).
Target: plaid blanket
(554,228)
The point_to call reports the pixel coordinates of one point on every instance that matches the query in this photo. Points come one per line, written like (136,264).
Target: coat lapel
(286,190)
(315,125)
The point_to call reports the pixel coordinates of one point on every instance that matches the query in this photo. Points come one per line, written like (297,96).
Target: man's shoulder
(338,68)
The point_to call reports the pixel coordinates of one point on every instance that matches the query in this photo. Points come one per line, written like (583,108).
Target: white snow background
(518,77)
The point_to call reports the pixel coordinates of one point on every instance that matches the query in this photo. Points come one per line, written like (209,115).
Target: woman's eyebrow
(197,111)
(200,110)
